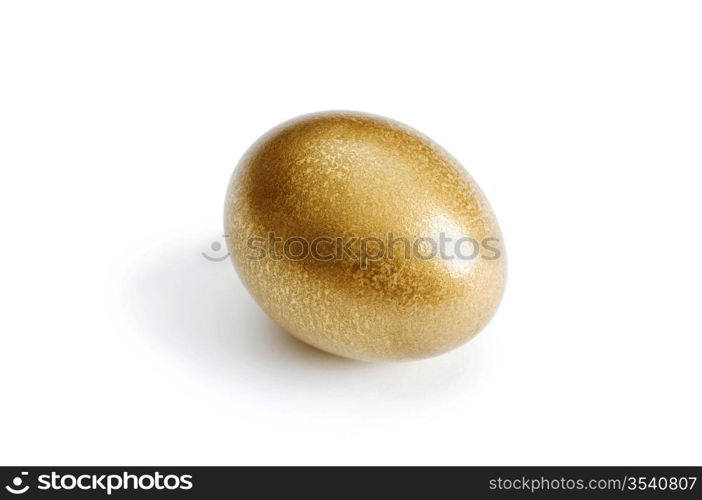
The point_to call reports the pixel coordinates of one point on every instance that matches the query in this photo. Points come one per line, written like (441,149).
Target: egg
(362,237)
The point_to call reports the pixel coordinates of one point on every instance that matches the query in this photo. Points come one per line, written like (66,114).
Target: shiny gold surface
(346,175)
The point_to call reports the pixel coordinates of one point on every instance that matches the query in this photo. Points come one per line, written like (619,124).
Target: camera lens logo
(216,246)
(16,488)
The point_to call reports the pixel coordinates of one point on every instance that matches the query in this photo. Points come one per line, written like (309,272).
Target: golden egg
(362,237)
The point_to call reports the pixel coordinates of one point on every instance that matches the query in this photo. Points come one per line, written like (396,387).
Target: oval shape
(362,237)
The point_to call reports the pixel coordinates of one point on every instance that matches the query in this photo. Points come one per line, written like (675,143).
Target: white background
(120,124)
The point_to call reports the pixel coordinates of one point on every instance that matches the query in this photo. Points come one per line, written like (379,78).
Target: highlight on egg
(362,237)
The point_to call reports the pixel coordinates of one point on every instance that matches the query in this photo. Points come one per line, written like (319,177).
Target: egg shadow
(198,312)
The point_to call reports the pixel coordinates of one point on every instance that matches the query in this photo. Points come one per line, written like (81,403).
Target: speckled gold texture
(350,175)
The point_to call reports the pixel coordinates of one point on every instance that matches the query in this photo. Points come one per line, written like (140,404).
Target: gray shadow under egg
(199,314)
